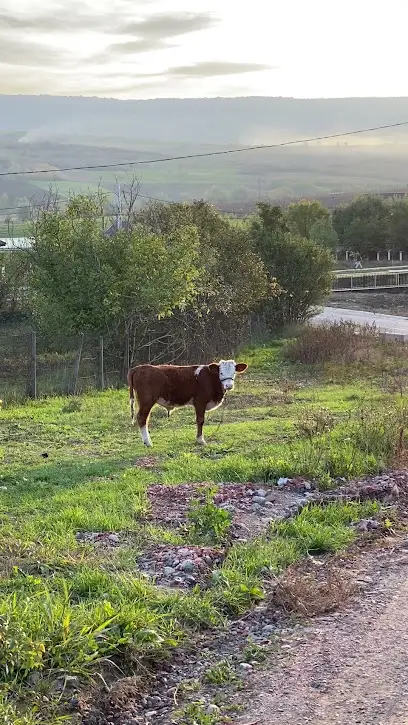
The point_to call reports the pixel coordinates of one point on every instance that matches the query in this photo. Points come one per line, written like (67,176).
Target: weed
(310,595)
(208,524)
(222,673)
(315,421)
(195,714)
(254,652)
(74,405)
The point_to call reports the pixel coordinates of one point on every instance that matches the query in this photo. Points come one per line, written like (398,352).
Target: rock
(261,500)
(268,629)
(245,667)
(260,492)
(191,579)
(70,681)
(282,481)
(212,709)
(187,565)
(367,525)
(169,571)
(178,581)
(154,701)
(208,560)
(113,538)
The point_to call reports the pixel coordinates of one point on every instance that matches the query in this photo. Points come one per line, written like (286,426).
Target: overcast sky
(162,48)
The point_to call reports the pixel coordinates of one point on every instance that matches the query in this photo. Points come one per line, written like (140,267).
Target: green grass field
(70,609)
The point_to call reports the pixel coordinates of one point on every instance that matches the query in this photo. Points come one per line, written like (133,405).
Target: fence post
(101,365)
(32,383)
(73,387)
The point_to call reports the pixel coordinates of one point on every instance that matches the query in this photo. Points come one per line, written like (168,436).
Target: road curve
(391,324)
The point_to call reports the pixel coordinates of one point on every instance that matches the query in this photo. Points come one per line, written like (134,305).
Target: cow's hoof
(201,441)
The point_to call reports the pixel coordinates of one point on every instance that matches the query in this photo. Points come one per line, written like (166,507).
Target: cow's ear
(213,367)
(241,367)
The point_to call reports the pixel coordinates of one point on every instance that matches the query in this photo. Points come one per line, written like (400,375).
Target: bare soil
(350,666)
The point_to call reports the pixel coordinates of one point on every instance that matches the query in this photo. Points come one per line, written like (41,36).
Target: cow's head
(227,369)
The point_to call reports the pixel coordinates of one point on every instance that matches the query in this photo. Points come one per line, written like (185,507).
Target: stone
(70,681)
(154,701)
(187,565)
(245,667)
(282,481)
(260,492)
(169,571)
(261,500)
(212,709)
(113,538)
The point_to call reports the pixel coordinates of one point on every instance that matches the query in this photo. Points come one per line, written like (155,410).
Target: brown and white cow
(173,386)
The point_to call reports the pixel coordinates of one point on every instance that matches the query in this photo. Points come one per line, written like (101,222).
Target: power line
(206,154)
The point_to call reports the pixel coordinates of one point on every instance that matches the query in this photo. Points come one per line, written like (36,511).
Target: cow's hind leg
(143,422)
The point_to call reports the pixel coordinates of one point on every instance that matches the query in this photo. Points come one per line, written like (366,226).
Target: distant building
(15,244)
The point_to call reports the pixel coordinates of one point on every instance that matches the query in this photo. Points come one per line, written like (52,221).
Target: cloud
(209,69)
(77,17)
(155,32)
(28,53)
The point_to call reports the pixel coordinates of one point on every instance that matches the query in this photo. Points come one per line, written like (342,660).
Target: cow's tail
(131,396)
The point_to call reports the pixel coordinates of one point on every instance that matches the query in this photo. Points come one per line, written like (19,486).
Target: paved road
(392,324)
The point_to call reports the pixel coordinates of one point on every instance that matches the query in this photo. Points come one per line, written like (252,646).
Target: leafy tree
(271,218)
(363,225)
(302,216)
(232,278)
(86,281)
(322,232)
(15,273)
(398,225)
(299,271)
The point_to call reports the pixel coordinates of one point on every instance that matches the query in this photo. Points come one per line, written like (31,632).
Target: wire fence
(30,368)
(33,367)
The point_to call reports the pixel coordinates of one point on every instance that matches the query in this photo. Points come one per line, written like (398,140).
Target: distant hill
(197,120)
(47,132)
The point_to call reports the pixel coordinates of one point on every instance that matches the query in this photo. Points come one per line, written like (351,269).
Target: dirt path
(349,667)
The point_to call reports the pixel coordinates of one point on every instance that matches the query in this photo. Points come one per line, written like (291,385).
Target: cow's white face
(227,369)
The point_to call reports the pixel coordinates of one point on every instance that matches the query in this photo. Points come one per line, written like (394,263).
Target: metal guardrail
(369,282)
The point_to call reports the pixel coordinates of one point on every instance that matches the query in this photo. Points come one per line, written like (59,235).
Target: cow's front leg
(200,416)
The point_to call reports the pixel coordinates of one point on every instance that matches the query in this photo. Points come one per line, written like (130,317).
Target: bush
(339,342)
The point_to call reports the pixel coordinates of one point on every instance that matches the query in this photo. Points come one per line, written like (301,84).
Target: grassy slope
(65,606)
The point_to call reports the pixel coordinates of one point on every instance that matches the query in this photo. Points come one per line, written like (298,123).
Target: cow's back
(172,383)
